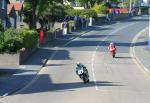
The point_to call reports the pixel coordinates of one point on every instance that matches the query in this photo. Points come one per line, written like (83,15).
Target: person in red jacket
(41,36)
(112,49)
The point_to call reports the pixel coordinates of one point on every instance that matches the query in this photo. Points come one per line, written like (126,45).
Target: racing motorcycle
(112,52)
(83,75)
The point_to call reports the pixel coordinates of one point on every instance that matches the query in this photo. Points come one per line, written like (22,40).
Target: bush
(12,40)
(71,24)
(1,42)
(1,27)
(81,13)
(72,12)
(30,38)
(100,9)
(88,13)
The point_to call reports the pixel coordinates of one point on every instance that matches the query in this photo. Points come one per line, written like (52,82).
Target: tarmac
(19,76)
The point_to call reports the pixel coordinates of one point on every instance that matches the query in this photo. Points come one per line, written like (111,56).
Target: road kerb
(141,66)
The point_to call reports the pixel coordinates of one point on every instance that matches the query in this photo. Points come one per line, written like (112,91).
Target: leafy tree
(35,9)
(1,27)
(114,1)
(100,8)
(87,2)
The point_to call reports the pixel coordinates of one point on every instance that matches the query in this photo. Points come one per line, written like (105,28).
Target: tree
(87,2)
(1,27)
(114,1)
(100,8)
(37,8)
(30,10)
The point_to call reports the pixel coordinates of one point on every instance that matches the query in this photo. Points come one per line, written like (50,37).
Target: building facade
(3,12)
(11,13)
(12,17)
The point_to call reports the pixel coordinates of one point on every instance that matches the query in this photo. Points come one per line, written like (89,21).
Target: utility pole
(130,7)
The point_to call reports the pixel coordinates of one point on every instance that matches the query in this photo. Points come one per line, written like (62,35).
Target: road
(113,80)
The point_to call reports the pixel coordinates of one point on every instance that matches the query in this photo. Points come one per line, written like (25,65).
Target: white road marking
(6,94)
(107,68)
(22,66)
(132,53)
(94,78)
(146,69)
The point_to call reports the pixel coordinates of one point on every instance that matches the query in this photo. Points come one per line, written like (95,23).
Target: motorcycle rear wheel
(113,55)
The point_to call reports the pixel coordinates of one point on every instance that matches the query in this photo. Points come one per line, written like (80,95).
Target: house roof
(17,6)
(9,8)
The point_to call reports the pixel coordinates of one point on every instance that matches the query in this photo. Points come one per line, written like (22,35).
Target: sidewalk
(142,52)
(19,76)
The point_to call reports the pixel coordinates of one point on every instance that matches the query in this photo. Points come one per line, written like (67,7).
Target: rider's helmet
(78,63)
(111,43)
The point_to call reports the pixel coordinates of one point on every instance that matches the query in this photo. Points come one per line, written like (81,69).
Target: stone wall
(17,58)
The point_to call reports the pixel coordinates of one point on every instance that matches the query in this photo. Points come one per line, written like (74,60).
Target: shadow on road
(55,65)
(103,43)
(45,84)
(12,71)
(14,82)
(136,20)
(42,55)
(96,36)
(123,57)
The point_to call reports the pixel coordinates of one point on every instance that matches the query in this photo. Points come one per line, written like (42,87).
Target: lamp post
(130,7)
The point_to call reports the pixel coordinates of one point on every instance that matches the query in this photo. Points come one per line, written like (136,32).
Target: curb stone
(132,50)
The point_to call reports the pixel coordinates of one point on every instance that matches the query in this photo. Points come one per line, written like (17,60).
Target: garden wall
(17,58)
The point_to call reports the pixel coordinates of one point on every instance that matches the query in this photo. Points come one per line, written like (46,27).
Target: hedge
(12,40)
(1,27)
(100,8)
(81,13)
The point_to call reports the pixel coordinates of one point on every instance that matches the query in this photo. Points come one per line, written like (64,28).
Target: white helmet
(78,63)
(111,43)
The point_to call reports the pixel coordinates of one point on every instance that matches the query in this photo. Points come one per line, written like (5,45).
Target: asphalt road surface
(112,80)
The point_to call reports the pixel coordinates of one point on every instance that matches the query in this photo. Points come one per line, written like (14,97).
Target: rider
(112,47)
(81,66)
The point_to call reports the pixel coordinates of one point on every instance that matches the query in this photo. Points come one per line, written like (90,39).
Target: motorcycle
(112,52)
(83,75)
